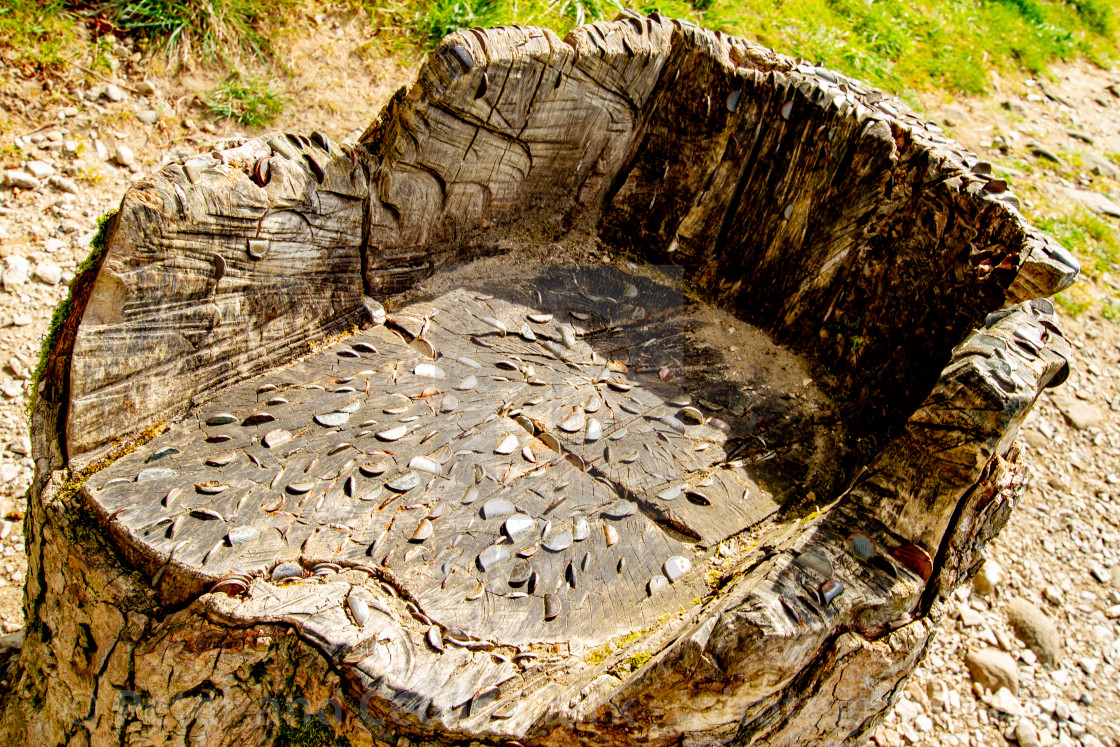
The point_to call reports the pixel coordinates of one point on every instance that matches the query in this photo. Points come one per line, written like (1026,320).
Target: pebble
(114,93)
(20,179)
(1035,629)
(16,272)
(148,116)
(39,169)
(993,669)
(988,577)
(1026,735)
(62,184)
(48,273)
(124,156)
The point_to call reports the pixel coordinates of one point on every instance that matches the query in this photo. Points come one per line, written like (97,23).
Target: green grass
(246,100)
(900,45)
(39,34)
(895,44)
(1097,245)
(1089,236)
(215,28)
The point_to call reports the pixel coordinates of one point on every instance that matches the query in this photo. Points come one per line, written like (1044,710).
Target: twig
(40,128)
(105,78)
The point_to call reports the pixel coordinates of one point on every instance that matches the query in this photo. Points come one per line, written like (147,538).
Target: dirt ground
(78,146)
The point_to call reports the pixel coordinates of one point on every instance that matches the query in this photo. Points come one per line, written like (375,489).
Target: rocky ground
(1030,654)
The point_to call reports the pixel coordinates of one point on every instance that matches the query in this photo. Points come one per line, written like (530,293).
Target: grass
(214,28)
(1097,245)
(36,35)
(246,100)
(899,45)
(1090,236)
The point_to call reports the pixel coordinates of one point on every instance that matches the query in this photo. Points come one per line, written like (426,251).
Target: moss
(638,660)
(310,731)
(62,312)
(84,524)
(598,655)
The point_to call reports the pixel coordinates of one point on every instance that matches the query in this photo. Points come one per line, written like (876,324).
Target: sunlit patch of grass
(1110,310)
(1089,236)
(249,101)
(37,34)
(896,44)
(1074,301)
(216,29)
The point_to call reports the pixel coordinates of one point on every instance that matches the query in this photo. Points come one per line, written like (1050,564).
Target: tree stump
(642,386)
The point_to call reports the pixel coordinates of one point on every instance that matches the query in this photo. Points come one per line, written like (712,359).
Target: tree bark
(535,502)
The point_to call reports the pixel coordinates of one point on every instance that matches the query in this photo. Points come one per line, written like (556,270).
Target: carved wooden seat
(639,386)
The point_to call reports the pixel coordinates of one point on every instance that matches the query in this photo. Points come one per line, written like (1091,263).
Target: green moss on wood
(62,311)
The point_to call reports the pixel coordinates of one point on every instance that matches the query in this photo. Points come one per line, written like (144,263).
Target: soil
(1061,550)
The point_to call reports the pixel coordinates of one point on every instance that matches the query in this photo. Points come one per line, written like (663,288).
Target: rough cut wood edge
(216,269)
(78,593)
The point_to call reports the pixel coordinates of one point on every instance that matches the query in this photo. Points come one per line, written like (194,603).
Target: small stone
(1095,201)
(62,184)
(1035,629)
(970,618)
(114,93)
(20,179)
(993,669)
(1100,166)
(656,584)
(1004,702)
(39,169)
(124,156)
(148,116)
(1026,735)
(16,272)
(48,273)
(1053,595)
(988,578)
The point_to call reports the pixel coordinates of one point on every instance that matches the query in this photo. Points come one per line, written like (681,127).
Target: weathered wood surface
(824,522)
